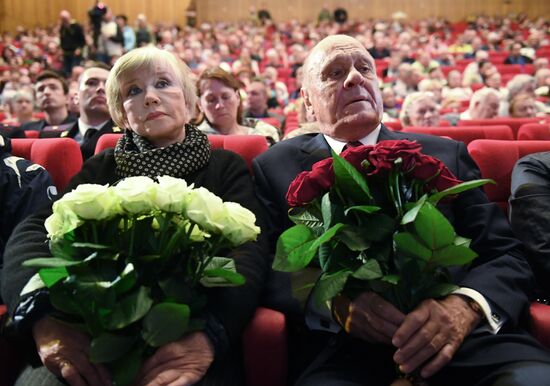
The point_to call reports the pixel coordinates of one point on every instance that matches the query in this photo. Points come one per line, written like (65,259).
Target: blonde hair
(141,59)
(409,101)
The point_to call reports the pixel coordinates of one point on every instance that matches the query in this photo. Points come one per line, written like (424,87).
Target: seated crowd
(308,89)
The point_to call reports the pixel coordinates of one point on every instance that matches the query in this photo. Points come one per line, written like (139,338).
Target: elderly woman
(419,109)
(222,107)
(521,84)
(151,94)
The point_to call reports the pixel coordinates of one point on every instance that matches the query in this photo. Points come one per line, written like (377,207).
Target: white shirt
(320,318)
(83,128)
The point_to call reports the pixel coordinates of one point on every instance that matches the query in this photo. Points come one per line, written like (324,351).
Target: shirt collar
(370,139)
(83,127)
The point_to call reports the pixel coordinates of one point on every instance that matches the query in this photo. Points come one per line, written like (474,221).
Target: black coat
(501,273)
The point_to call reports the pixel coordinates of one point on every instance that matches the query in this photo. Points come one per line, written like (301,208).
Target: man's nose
(354,78)
(101,87)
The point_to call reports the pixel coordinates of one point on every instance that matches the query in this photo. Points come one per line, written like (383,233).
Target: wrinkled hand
(433,332)
(368,317)
(179,363)
(64,351)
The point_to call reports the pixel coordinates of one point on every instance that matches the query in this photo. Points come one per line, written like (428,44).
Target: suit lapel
(313,150)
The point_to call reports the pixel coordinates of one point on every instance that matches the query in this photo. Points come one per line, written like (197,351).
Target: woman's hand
(64,351)
(179,363)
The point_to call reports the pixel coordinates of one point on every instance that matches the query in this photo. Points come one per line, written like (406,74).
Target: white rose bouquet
(130,262)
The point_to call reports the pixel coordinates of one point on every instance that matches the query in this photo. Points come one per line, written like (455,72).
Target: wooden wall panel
(43,12)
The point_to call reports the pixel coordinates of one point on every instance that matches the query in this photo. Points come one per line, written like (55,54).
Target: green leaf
(406,243)
(126,281)
(368,209)
(330,285)
(353,238)
(433,228)
(64,301)
(392,279)
(326,211)
(378,227)
(462,241)
(369,271)
(453,255)
(293,249)
(411,214)
(91,246)
(349,180)
(222,277)
(434,199)
(165,323)
(131,308)
(49,262)
(108,347)
(62,248)
(326,237)
(125,370)
(305,217)
(50,276)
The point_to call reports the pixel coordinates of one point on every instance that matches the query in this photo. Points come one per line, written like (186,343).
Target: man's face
(50,94)
(22,106)
(257,97)
(424,113)
(486,108)
(91,92)
(341,88)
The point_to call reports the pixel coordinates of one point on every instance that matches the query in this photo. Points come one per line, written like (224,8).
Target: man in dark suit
(475,336)
(51,91)
(94,118)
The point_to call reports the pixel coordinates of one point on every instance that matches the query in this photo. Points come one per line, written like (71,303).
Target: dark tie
(89,134)
(352,144)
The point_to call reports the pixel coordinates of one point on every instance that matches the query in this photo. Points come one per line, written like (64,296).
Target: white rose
(136,194)
(61,221)
(171,194)
(239,225)
(206,209)
(197,234)
(91,201)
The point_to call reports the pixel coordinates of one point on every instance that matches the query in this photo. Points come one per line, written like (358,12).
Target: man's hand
(433,331)
(64,351)
(178,363)
(368,317)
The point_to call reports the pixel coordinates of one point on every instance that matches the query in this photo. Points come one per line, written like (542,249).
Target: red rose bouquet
(369,218)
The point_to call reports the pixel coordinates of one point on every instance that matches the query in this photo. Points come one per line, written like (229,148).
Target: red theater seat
(514,123)
(466,134)
(61,157)
(534,132)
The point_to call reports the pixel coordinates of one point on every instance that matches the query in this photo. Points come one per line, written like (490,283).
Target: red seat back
(514,123)
(466,134)
(496,159)
(61,157)
(534,132)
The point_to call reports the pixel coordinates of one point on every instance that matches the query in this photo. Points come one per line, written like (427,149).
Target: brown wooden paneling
(30,13)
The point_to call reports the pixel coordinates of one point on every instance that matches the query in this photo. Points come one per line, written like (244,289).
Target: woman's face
(219,103)
(424,112)
(154,105)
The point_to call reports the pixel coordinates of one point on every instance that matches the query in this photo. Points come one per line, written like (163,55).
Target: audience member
(456,340)
(94,119)
(221,105)
(151,92)
(419,109)
(22,104)
(454,88)
(128,33)
(516,56)
(72,41)
(51,98)
(257,96)
(523,106)
(483,105)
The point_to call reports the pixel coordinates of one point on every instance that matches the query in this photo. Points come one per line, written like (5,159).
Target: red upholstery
(540,322)
(534,132)
(466,134)
(394,125)
(265,349)
(514,123)
(496,159)
(272,121)
(61,157)
(32,134)
(247,146)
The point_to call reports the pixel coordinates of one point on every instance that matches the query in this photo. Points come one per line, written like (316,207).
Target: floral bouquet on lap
(130,263)
(369,219)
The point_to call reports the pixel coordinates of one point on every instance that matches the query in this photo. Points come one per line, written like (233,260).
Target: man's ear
(306,101)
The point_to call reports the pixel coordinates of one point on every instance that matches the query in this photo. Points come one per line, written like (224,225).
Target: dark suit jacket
(87,147)
(500,273)
(39,125)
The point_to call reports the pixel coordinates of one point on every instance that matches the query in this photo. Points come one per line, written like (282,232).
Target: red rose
(383,155)
(307,186)
(435,172)
(356,155)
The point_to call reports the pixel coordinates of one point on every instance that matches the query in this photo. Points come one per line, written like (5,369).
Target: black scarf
(135,156)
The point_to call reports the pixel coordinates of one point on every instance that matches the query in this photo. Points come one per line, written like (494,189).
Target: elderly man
(483,105)
(94,120)
(476,335)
